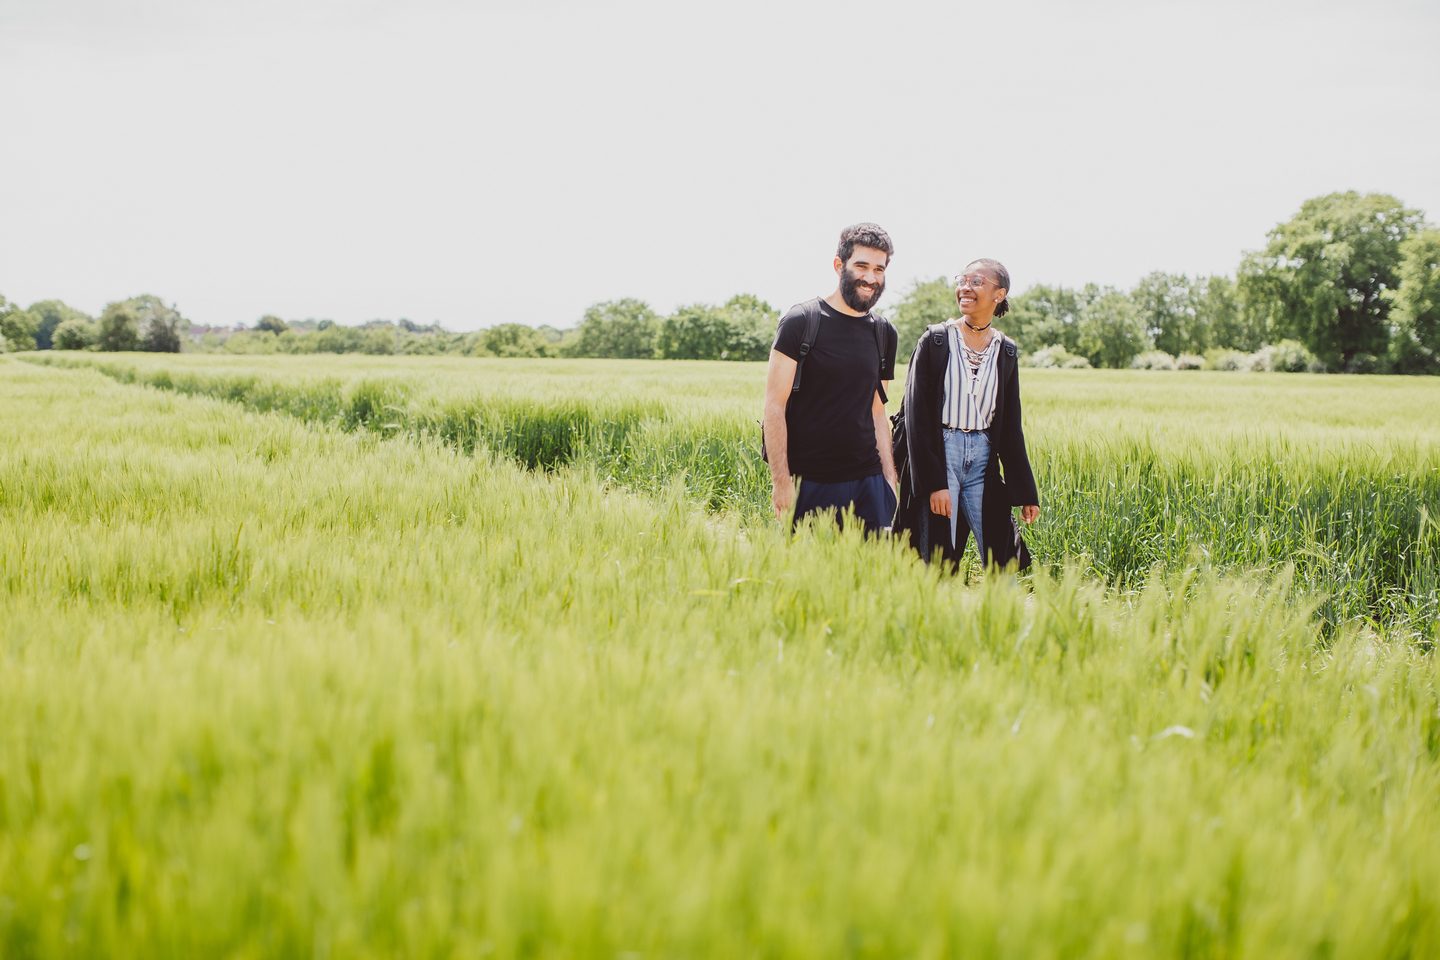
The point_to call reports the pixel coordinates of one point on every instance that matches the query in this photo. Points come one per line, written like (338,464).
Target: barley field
(354,657)
(1336,478)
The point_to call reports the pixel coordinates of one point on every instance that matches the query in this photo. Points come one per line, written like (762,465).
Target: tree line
(1350,283)
(140,323)
(740,329)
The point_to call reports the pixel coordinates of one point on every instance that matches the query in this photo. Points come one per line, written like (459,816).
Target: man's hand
(778,379)
(1030,513)
(883,444)
(782,494)
(940,502)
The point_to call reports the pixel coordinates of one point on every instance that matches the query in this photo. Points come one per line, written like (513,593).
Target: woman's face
(977,291)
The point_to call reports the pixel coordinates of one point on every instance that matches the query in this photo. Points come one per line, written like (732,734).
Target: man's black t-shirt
(830,421)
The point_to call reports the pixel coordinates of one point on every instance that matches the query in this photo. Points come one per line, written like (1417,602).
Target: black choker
(975,328)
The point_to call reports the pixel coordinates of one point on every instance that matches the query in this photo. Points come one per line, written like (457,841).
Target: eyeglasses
(973,282)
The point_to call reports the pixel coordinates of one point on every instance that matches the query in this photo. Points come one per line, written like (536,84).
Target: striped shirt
(970,383)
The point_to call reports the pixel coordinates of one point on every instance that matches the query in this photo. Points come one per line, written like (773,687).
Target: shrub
(379,341)
(1362,363)
(74,334)
(425,344)
(17,327)
(252,341)
(1056,357)
(1287,356)
(1223,358)
(293,341)
(1153,360)
(336,339)
(1189,361)
(513,340)
(473,345)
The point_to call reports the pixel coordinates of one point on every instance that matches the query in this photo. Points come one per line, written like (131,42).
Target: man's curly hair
(863,235)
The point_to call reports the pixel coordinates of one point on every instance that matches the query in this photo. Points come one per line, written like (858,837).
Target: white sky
(478,163)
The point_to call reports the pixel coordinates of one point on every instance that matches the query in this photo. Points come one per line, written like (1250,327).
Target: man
(833,432)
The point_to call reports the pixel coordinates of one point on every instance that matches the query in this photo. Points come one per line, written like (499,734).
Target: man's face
(862,279)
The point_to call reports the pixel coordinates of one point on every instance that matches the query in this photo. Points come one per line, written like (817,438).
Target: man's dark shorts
(871,497)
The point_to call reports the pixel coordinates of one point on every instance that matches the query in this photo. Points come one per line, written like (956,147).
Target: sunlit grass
(270,688)
(1332,476)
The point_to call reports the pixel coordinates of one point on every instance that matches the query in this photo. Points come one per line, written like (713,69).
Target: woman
(967,461)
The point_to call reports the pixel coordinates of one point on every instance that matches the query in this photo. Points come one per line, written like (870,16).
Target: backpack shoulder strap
(940,341)
(807,339)
(882,330)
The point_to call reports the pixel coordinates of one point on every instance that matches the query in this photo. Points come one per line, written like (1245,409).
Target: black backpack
(899,451)
(807,342)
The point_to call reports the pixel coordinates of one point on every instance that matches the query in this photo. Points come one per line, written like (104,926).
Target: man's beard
(855,298)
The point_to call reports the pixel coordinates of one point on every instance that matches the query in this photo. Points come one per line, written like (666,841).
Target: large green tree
(694,332)
(119,327)
(17,326)
(742,329)
(50,314)
(1170,306)
(1227,321)
(513,340)
(1111,330)
(927,302)
(143,322)
(1415,306)
(618,328)
(1323,276)
(752,324)
(163,327)
(1046,316)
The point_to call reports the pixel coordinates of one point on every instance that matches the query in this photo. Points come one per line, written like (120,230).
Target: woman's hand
(1030,513)
(940,503)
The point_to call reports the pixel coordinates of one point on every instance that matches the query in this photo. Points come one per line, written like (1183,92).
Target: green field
(1338,478)
(354,657)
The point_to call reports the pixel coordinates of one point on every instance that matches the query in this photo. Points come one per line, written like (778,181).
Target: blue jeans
(870,497)
(966,457)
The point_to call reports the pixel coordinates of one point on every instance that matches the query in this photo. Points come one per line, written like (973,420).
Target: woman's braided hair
(1002,277)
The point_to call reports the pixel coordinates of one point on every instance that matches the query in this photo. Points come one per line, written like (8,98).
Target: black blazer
(1009,480)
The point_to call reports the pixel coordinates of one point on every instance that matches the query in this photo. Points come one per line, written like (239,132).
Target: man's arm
(882,439)
(779,379)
